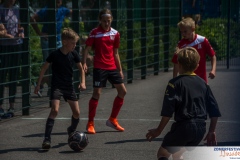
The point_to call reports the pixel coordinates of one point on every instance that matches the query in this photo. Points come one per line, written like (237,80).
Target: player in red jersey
(200,43)
(107,66)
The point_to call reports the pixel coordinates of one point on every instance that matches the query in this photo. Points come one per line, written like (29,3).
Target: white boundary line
(146,120)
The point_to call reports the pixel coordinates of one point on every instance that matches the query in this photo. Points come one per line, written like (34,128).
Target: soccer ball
(77,141)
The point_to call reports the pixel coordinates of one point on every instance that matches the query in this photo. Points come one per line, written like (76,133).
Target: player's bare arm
(212,73)
(82,84)
(118,62)
(153,133)
(211,135)
(34,19)
(85,54)
(43,70)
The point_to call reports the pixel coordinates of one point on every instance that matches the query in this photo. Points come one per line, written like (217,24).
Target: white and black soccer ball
(77,141)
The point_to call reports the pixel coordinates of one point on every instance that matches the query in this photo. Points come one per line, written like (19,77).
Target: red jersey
(104,43)
(203,47)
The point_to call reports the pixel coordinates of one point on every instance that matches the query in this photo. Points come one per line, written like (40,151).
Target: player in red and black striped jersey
(190,100)
(106,66)
(200,43)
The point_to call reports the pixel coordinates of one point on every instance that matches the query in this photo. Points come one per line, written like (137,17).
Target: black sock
(74,123)
(48,129)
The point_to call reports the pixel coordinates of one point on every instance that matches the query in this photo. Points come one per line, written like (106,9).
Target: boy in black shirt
(190,99)
(62,61)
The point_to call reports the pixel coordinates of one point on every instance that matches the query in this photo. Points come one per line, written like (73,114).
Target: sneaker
(69,130)
(1,112)
(113,123)
(46,145)
(90,127)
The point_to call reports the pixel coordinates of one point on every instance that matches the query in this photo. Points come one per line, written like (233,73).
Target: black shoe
(46,145)
(69,130)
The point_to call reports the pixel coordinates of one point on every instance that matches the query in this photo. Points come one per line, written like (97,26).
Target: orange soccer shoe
(90,127)
(113,123)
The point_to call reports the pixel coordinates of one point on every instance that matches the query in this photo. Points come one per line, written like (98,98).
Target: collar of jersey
(189,74)
(100,27)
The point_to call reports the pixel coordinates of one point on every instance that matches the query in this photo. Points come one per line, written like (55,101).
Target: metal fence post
(143,39)
(166,35)
(114,5)
(228,33)
(130,41)
(156,22)
(24,16)
(52,38)
(75,26)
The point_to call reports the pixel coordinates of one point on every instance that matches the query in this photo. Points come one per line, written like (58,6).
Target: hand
(211,139)
(122,75)
(37,88)
(212,75)
(9,36)
(85,68)
(152,133)
(82,86)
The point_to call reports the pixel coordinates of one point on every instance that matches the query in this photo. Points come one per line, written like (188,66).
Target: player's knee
(76,114)
(122,92)
(163,158)
(53,113)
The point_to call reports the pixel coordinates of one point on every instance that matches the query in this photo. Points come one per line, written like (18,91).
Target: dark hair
(103,12)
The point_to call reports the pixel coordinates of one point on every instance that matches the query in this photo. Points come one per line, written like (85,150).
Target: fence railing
(148,32)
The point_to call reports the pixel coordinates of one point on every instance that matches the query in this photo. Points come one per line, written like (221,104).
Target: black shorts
(184,134)
(66,93)
(100,77)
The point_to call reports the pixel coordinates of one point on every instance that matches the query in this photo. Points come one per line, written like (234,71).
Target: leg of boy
(163,153)
(117,104)
(50,123)
(75,116)
(93,103)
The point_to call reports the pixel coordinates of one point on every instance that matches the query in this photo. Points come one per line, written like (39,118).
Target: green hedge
(214,29)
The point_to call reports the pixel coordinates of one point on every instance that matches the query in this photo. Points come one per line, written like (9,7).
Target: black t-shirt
(62,67)
(189,97)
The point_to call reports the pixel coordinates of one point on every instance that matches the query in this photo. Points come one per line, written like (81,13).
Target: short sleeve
(66,11)
(42,14)
(174,58)
(208,48)
(76,56)
(169,101)
(50,58)
(211,104)
(117,40)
